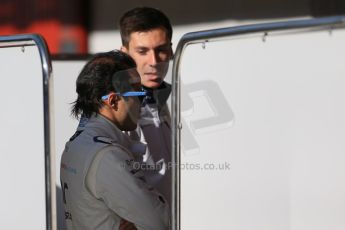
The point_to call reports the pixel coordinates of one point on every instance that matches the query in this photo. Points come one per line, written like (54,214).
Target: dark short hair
(143,19)
(96,80)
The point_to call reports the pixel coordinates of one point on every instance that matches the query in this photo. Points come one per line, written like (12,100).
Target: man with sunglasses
(146,35)
(102,185)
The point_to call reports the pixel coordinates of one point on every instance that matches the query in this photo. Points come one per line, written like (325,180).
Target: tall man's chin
(152,84)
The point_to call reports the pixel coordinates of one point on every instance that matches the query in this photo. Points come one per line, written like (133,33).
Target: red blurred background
(66,25)
(62,23)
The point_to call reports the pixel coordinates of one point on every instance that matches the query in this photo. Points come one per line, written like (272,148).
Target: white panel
(268,116)
(22,195)
(65,76)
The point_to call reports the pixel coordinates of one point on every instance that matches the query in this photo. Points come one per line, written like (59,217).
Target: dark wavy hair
(96,80)
(142,19)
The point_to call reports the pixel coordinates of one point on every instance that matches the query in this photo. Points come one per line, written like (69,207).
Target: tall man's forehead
(159,33)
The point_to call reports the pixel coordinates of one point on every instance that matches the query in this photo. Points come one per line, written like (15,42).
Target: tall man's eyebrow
(141,48)
(165,45)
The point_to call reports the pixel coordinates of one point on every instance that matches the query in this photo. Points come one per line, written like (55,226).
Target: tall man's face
(151,51)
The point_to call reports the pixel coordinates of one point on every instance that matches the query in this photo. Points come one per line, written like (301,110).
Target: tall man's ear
(124,49)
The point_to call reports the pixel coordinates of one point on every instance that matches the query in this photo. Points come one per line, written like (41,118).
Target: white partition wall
(263,128)
(65,76)
(27,201)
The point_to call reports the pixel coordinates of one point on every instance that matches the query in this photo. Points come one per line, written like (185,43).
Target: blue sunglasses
(140,95)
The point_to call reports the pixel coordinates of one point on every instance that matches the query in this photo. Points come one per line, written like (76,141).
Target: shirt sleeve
(117,179)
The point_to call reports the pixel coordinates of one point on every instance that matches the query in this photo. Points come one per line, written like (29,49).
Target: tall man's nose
(153,58)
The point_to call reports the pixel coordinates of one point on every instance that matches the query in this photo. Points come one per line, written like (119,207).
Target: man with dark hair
(143,19)
(102,186)
(146,36)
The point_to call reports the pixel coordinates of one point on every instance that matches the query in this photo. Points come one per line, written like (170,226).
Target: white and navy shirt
(154,130)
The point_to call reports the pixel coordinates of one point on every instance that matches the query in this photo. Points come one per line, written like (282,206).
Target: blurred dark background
(66,24)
